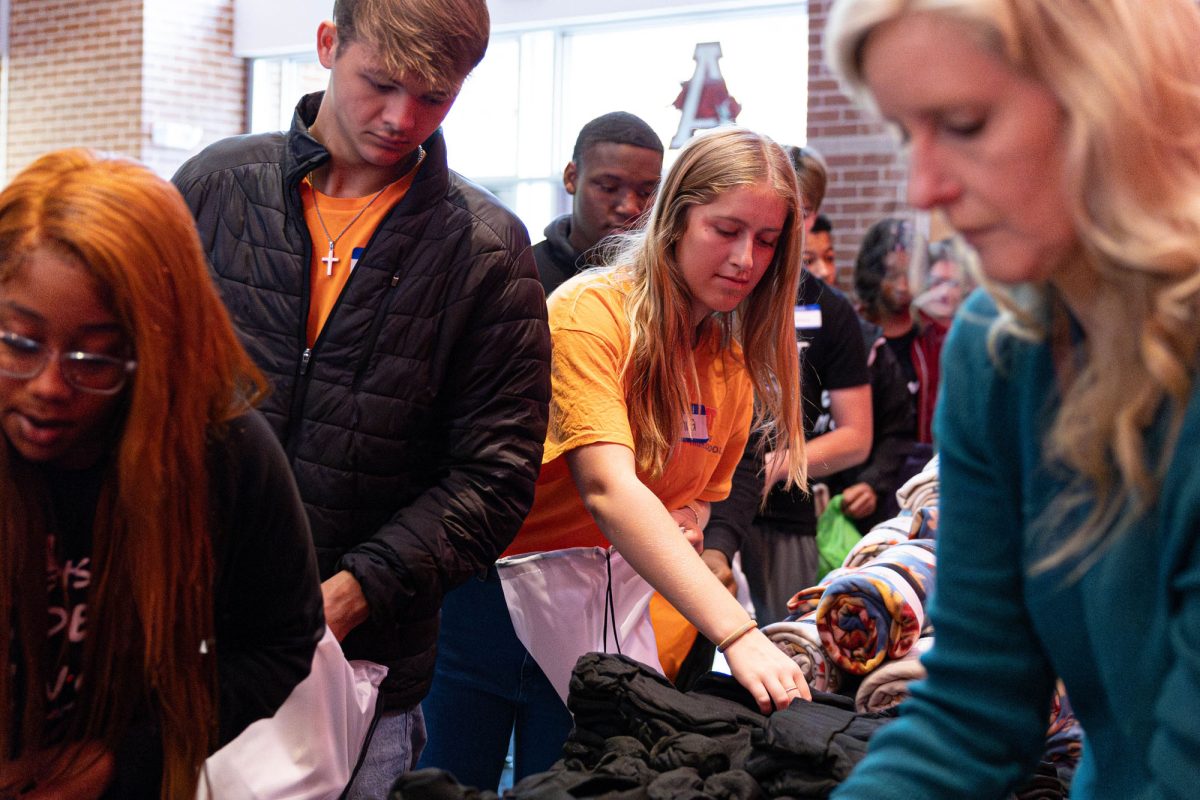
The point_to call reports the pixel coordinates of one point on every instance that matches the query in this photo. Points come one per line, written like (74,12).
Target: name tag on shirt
(807,317)
(696,426)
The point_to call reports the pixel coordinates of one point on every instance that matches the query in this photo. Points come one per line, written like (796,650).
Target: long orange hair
(151,609)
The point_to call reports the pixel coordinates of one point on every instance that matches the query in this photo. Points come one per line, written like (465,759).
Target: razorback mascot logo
(704,100)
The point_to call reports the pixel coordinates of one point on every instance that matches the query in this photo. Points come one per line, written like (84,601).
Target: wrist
(694,507)
(736,635)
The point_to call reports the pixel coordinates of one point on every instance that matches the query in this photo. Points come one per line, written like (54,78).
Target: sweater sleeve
(731,517)
(977,724)
(894,422)
(269,611)
(1174,736)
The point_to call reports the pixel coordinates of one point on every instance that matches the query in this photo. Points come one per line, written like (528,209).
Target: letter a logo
(704,100)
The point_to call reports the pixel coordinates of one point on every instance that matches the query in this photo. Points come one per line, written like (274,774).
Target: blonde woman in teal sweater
(1062,139)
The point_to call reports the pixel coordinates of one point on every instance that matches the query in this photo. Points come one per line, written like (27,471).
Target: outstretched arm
(642,529)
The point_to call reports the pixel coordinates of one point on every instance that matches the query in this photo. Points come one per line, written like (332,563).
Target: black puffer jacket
(414,425)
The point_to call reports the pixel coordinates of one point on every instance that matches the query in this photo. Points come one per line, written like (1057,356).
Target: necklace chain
(329,260)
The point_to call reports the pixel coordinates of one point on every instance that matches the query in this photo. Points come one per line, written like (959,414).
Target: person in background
(657,360)
(950,278)
(812,175)
(395,308)
(820,258)
(884,274)
(611,177)
(777,541)
(160,590)
(1059,139)
(869,490)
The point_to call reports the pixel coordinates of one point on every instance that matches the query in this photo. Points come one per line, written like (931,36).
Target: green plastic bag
(836,534)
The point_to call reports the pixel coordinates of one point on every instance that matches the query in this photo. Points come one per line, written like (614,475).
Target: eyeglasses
(25,358)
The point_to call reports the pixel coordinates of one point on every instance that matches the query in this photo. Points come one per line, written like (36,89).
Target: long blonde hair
(1125,73)
(657,376)
(152,579)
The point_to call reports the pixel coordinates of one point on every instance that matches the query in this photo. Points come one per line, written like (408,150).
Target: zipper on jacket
(295,208)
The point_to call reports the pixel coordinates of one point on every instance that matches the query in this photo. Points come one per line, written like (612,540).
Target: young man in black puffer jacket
(396,309)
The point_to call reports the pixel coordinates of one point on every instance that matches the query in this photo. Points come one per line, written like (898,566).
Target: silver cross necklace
(330,259)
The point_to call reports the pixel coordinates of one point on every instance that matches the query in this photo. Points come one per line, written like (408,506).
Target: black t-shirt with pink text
(74,496)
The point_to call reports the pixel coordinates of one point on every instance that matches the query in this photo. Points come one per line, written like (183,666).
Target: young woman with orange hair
(146,511)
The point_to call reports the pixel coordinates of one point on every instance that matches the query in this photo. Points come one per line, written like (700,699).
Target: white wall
(277,27)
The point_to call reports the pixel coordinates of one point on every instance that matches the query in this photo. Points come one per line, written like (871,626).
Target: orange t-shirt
(590,337)
(328,278)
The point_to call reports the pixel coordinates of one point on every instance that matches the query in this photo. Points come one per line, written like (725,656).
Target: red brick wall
(190,77)
(866,170)
(74,77)
(100,73)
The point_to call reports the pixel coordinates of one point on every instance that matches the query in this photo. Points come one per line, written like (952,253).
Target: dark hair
(870,267)
(945,250)
(617,127)
(821,225)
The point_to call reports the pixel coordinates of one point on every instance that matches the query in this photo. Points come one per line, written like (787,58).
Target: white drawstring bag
(560,602)
(309,748)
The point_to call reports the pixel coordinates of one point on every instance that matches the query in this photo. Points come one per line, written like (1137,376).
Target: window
(514,125)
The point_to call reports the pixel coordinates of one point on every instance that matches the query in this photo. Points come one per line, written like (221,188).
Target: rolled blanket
(879,610)
(884,535)
(924,523)
(1064,737)
(921,489)
(887,685)
(801,642)
(805,601)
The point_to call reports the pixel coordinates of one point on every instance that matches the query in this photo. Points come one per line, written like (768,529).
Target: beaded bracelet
(746,627)
(695,509)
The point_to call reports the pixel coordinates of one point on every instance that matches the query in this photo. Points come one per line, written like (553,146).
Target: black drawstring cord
(609,607)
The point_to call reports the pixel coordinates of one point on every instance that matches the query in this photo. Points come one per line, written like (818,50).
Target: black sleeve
(496,410)
(269,609)
(730,518)
(894,423)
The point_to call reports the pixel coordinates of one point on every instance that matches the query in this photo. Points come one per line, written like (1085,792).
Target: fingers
(719,564)
(800,690)
(858,501)
(782,691)
(791,687)
(685,519)
(773,679)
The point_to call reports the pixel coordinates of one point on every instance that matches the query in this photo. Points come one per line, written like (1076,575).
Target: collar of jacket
(304,154)
(558,240)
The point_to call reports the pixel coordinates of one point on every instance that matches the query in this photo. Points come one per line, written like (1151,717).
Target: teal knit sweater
(1125,637)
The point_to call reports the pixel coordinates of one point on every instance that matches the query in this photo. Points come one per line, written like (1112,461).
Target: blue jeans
(485,687)
(395,745)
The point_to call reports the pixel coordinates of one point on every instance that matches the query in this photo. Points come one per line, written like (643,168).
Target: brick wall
(74,77)
(866,169)
(109,74)
(192,83)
